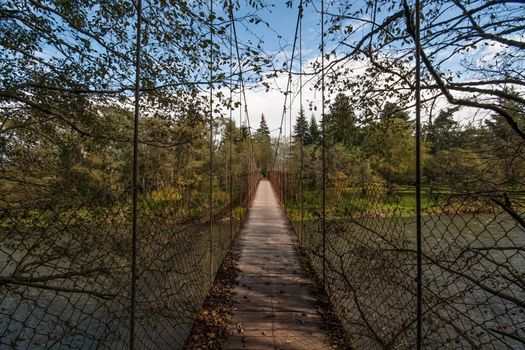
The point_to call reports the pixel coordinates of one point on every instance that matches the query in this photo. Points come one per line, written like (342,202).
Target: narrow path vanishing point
(274,307)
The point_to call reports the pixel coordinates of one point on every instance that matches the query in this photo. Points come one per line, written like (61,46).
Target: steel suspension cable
(135,187)
(283,163)
(251,160)
(301,185)
(240,135)
(241,108)
(230,129)
(240,104)
(323,146)
(419,337)
(287,174)
(241,80)
(287,92)
(210,194)
(290,103)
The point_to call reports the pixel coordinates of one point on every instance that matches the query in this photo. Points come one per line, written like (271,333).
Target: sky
(282,21)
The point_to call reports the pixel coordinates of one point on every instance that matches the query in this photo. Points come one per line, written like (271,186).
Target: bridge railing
(364,249)
(122,184)
(66,267)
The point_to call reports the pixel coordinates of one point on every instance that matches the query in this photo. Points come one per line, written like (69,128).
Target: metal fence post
(323,146)
(135,188)
(418,176)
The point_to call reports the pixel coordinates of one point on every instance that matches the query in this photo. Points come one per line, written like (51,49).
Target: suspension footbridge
(130,167)
(275,308)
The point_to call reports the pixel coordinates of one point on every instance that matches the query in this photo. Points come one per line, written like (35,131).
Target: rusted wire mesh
(351,191)
(66,160)
(473,259)
(65,277)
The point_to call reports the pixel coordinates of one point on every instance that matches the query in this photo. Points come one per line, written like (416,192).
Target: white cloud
(271,103)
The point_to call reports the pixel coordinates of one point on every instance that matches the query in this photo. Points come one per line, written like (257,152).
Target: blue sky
(282,21)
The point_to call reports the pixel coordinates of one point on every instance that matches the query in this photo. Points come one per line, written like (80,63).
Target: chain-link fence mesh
(181,247)
(350,186)
(66,257)
(472,244)
(66,154)
(66,160)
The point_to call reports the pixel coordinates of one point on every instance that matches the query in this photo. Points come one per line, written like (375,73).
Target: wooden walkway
(274,307)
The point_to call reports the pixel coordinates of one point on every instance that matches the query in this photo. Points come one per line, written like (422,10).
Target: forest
(90,96)
(457,156)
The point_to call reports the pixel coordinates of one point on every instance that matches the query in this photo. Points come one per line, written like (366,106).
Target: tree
(264,151)
(341,123)
(443,133)
(244,133)
(263,129)
(66,159)
(390,146)
(507,147)
(392,111)
(313,131)
(455,168)
(301,131)
(491,53)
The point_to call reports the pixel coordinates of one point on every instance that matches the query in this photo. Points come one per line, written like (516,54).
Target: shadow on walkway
(274,306)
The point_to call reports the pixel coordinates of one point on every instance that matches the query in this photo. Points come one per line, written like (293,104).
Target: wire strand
(287,92)
(242,85)
(301,185)
(135,188)
(419,272)
(210,198)
(230,128)
(323,145)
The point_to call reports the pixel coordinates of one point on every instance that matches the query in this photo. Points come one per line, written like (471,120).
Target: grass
(118,212)
(379,200)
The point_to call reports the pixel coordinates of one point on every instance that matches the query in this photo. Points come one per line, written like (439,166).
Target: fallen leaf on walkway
(211,326)
(239,328)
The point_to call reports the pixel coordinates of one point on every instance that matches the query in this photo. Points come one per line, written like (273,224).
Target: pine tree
(341,123)
(263,143)
(314,132)
(443,133)
(263,127)
(392,111)
(244,132)
(301,129)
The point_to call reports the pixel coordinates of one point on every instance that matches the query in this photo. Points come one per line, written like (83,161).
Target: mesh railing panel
(66,165)
(66,267)
(473,261)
